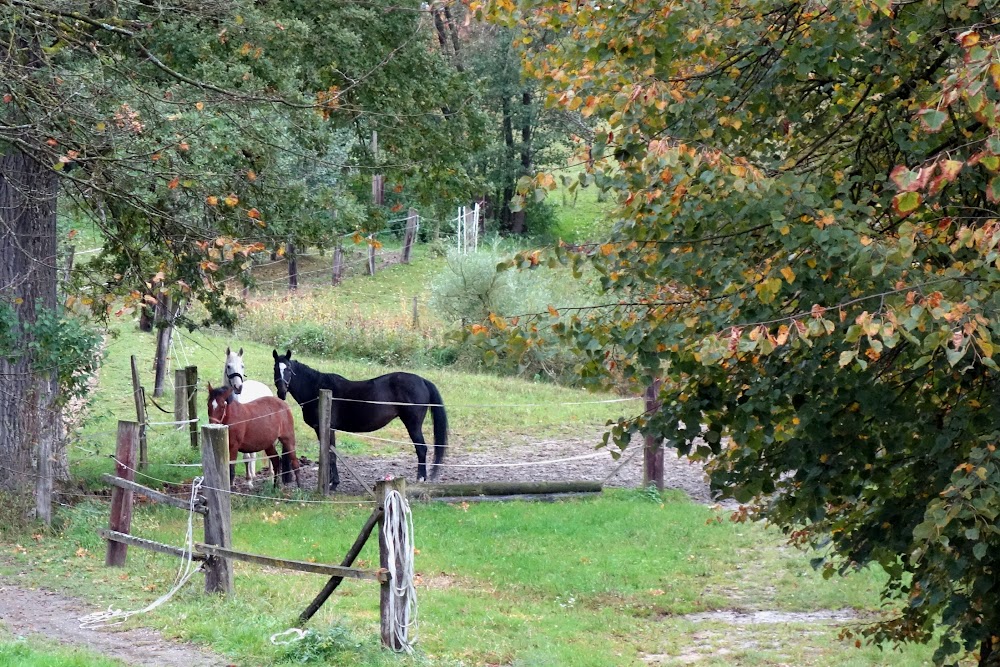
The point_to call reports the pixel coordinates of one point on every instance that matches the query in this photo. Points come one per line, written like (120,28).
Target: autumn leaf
(212,200)
(231,200)
(174,182)
(906,203)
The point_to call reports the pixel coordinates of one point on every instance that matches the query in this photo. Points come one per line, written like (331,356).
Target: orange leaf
(212,200)
(253,214)
(232,200)
(173,183)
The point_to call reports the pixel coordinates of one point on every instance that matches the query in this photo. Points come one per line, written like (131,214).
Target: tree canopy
(806,252)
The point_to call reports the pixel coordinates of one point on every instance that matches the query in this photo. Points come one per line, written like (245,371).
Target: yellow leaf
(788,274)
(199,105)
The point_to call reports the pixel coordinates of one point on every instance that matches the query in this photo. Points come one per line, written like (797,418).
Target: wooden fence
(216,551)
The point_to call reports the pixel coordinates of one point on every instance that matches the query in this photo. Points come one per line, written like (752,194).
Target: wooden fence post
(388,623)
(139,394)
(416,316)
(180,397)
(410,236)
(652,460)
(121,499)
(192,399)
(325,402)
(371,256)
(338,265)
(218,520)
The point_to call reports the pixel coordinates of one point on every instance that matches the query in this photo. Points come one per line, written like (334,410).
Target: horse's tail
(440,425)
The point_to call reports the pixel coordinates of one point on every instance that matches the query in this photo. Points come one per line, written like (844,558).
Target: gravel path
(27,611)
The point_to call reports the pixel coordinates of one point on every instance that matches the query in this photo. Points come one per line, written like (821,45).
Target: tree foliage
(806,252)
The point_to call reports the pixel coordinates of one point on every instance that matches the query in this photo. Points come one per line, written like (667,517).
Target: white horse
(234,375)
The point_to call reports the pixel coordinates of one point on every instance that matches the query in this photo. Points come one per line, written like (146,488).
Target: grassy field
(610,581)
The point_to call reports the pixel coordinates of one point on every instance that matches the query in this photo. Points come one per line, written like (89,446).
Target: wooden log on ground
(155,496)
(121,499)
(525,497)
(502,489)
(379,575)
(150,545)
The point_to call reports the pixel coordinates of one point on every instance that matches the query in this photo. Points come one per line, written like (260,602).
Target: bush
(470,288)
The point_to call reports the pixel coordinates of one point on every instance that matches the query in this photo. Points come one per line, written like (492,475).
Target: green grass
(37,652)
(580,216)
(588,583)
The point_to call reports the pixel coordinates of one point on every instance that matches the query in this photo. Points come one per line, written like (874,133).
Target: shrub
(470,288)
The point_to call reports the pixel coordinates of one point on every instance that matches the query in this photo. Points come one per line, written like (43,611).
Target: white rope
(299,633)
(398,532)
(112,616)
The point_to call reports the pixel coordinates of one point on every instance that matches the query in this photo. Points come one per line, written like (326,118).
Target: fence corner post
(388,622)
(218,520)
(121,499)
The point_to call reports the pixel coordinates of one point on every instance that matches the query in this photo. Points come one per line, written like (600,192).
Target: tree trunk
(507,124)
(166,313)
(518,222)
(29,416)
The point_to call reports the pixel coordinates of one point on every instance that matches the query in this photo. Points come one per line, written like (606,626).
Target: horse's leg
(413,420)
(292,460)
(272,454)
(251,461)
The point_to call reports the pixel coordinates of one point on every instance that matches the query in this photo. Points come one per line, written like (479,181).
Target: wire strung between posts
(301,501)
(398,532)
(111,616)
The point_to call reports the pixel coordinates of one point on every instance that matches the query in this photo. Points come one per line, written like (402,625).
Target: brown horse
(254,427)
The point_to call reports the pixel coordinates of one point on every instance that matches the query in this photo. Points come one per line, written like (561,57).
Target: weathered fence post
(338,265)
(390,622)
(139,394)
(218,520)
(325,402)
(180,397)
(371,255)
(191,387)
(416,317)
(121,499)
(410,236)
(652,460)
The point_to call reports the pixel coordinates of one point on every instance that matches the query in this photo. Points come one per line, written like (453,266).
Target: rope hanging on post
(398,532)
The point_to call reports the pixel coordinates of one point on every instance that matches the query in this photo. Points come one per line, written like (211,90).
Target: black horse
(368,405)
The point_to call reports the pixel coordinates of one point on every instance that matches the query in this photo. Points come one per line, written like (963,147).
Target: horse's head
(218,403)
(235,371)
(282,372)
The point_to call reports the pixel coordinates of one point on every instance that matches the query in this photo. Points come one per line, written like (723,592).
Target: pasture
(629,578)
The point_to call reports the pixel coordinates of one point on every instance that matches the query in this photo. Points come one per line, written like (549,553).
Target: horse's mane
(315,379)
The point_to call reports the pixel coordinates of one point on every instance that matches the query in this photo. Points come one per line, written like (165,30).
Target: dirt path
(57,617)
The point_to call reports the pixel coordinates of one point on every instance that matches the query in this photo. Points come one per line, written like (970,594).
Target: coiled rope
(397,530)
